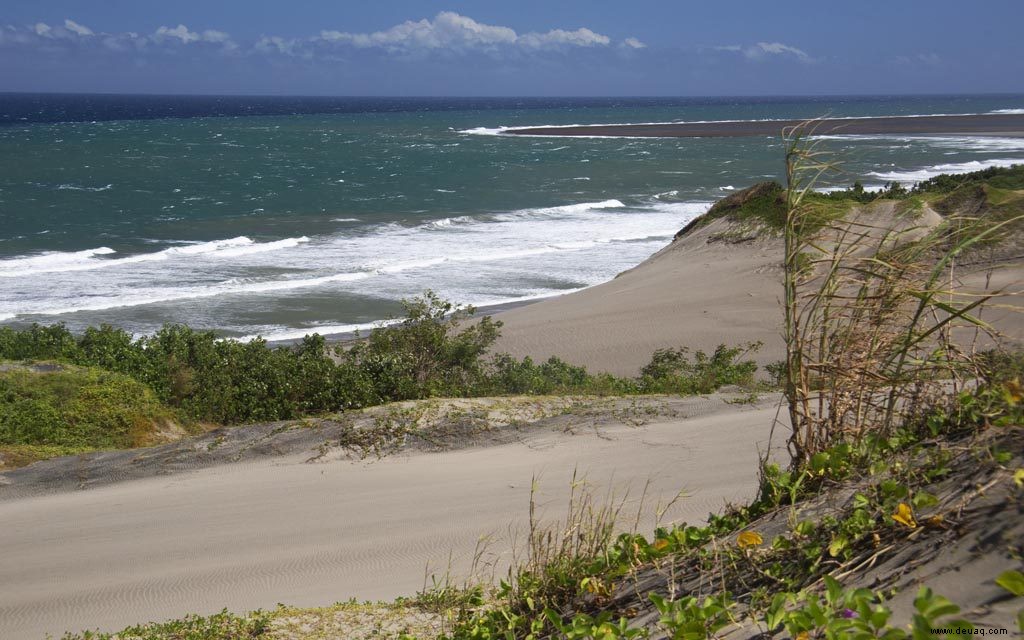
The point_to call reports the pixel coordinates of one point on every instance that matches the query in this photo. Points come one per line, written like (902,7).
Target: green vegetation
(61,410)
(126,385)
(763,204)
(869,313)
(220,626)
(994,193)
(995,177)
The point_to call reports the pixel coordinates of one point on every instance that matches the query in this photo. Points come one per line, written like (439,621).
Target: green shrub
(673,371)
(432,352)
(999,177)
(508,375)
(77,408)
(219,626)
(38,342)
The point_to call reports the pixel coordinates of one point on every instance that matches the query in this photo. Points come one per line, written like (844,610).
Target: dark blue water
(19,108)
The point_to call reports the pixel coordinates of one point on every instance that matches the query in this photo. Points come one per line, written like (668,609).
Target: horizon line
(509,96)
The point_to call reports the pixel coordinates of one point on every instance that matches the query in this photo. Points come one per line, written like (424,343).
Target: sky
(512,48)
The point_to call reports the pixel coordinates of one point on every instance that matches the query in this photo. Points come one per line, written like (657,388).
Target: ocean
(285,216)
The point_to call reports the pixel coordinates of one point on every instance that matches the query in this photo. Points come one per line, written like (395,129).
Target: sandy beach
(699,291)
(1001,124)
(280,529)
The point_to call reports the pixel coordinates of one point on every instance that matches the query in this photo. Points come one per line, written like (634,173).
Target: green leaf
(834,591)
(959,627)
(838,545)
(933,606)
(924,500)
(1012,581)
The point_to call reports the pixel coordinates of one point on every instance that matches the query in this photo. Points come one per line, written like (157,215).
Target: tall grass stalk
(870,306)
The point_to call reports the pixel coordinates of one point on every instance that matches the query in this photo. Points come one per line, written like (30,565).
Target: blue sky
(523,47)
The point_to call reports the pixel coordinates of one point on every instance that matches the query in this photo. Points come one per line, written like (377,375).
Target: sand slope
(718,284)
(280,529)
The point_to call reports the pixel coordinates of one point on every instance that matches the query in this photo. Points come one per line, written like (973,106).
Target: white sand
(691,293)
(702,291)
(246,536)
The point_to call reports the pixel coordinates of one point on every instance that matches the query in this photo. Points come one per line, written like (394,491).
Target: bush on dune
(672,371)
(428,354)
(77,409)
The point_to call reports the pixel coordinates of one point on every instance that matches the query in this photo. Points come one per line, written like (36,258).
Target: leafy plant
(219,626)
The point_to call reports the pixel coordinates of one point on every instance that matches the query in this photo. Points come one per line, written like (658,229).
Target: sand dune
(715,285)
(280,529)
(720,283)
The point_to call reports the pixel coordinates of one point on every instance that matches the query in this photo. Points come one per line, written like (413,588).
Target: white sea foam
(954,143)
(49,261)
(282,334)
(516,131)
(485,131)
(174,294)
(59,262)
(576,208)
(75,187)
(487,257)
(259,247)
(867,187)
(925,173)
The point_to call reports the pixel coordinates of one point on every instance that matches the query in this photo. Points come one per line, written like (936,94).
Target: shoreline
(344,337)
(1001,124)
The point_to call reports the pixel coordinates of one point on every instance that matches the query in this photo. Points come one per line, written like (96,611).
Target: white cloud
(180,32)
(449,30)
(579,38)
(275,44)
(182,35)
(74,27)
(211,35)
(633,43)
(762,50)
(775,48)
(446,31)
(69,31)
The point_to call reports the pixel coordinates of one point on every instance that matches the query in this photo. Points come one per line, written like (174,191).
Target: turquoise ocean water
(280,217)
